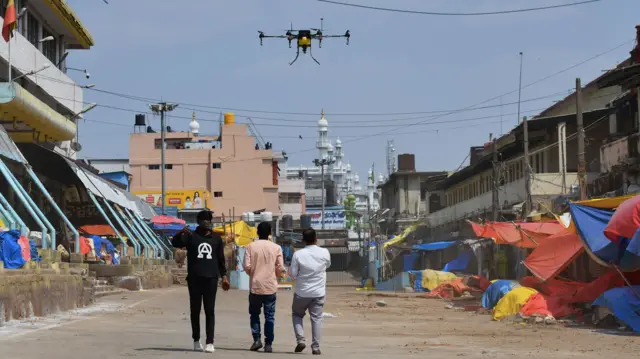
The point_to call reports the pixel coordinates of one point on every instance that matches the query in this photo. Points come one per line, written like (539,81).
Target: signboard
(187,198)
(333,218)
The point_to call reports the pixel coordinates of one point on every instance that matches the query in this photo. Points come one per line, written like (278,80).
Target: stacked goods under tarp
(624,303)
(512,302)
(10,250)
(429,279)
(459,287)
(496,291)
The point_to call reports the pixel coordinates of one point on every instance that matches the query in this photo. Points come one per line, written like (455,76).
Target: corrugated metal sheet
(8,148)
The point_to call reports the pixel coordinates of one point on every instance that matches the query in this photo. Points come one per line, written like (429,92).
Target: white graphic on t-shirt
(204,248)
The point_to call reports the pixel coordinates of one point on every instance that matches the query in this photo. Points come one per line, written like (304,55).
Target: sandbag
(433,278)
(10,250)
(512,302)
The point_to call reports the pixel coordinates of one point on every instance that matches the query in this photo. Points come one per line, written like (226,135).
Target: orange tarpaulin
(544,305)
(519,234)
(97,230)
(554,254)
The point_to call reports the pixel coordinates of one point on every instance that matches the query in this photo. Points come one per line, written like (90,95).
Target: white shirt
(309,268)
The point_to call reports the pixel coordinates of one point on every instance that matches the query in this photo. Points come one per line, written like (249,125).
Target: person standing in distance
(205,265)
(309,270)
(263,263)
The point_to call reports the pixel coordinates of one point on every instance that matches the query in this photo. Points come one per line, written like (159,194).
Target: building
(619,155)
(409,194)
(41,103)
(553,158)
(113,169)
(225,172)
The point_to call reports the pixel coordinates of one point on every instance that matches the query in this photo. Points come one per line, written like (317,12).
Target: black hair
(204,215)
(264,230)
(309,236)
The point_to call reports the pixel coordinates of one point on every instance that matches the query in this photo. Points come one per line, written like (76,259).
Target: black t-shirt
(205,253)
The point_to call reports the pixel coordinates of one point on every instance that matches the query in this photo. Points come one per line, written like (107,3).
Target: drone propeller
(348,36)
(261,36)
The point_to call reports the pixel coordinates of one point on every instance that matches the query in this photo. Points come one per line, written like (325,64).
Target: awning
(144,209)
(435,246)
(27,119)
(8,149)
(99,187)
(554,255)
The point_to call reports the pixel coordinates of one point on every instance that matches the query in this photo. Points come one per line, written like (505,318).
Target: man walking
(309,270)
(205,264)
(263,263)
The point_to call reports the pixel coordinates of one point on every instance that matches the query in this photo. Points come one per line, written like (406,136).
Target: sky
(206,56)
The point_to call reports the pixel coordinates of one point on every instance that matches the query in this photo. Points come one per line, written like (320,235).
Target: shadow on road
(224,349)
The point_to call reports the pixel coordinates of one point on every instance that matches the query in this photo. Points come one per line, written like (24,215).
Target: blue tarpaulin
(435,246)
(417,282)
(99,242)
(496,291)
(10,250)
(624,304)
(170,228)
(459,264)
(590,223)
(410,261)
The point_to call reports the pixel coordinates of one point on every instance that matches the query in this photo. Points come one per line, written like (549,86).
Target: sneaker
(268,348)
(300,347)
(316,352)
(257,345)
(197,346)
(210,348)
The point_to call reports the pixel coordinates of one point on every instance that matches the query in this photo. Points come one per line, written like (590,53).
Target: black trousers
(202,290)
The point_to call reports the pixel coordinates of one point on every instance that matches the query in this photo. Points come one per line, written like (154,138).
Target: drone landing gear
(297,54)
(311,54)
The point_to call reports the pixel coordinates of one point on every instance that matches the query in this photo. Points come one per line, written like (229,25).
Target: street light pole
(323,162)
(162,108)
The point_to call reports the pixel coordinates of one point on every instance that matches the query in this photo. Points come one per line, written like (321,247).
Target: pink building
(236,174)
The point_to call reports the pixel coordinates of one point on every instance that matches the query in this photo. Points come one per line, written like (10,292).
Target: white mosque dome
(338,143)
(330,148)
(194,126)
(381,178)
(348,167)
(356,178)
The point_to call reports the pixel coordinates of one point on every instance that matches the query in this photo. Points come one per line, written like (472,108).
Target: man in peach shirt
(263,263)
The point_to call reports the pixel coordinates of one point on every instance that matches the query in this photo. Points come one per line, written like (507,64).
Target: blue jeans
(256,302)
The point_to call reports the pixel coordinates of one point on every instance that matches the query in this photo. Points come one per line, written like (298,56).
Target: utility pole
(520,86)
(582,175)
(494,191)
(321,163)
(526,209)
(162,108)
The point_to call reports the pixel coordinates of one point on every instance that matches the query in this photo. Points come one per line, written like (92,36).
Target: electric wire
(498,12)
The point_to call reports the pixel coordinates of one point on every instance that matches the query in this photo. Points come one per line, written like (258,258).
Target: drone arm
(297,54)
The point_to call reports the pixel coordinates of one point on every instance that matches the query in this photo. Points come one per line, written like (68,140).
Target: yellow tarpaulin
(511,303)
(401,237)
(605,203)
(244,233)
(433,278)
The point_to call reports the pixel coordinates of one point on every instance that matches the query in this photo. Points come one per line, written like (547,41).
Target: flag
(10,21)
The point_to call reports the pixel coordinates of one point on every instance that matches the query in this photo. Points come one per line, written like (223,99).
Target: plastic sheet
(460,264)
(554,255)
(496,291)
(624,304)
(590,224)
(544,305)
(512,302)
(10,250)
(432,278)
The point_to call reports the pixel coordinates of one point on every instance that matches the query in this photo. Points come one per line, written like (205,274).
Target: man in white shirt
(309,270)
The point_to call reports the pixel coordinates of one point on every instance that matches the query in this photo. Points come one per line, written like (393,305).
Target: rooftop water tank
(287,222)
(305,221)
(229,118)
(266,217)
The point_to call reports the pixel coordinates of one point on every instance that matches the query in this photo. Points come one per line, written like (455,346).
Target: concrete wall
(397,283)
(25,293)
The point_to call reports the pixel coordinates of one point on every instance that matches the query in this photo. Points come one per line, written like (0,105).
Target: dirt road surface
(155,323)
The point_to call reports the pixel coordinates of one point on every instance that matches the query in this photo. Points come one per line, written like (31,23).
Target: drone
(304,38)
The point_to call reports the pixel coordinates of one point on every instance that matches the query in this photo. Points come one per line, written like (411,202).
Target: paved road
(155,323)
(151,324)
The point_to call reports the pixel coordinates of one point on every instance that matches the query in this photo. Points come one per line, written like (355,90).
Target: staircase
(101,287)
(179,275)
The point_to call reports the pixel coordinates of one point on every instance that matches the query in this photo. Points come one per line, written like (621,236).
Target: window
(217,194)
(290,198)
(168,167)
(50,48)
(33,29)
(154,167)
(217,165)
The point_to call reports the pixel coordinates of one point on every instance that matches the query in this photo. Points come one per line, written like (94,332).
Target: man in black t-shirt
(205,266)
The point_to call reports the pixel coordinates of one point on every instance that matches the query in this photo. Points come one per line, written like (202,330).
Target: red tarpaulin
(519,234)
(554,254)
(625,221)
(167,220)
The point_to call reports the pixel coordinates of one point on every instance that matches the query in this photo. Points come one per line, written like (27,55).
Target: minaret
(371,185)
(330,167)
(194,126)
(323,137)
